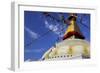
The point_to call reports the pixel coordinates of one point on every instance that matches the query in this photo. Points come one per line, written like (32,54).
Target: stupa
(73,46)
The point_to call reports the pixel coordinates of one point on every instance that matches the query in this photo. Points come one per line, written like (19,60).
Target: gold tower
(73,30)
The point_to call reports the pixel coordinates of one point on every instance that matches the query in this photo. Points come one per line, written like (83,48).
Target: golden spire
(73,29)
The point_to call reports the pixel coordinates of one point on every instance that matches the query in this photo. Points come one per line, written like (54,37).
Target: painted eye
(78,49)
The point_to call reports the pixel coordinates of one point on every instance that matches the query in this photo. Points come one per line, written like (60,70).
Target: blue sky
(41,32)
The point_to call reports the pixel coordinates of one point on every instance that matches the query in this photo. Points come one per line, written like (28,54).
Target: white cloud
(28,60)
(46,23)
(34,50)
(51,26)
(54,28)
(32,34)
